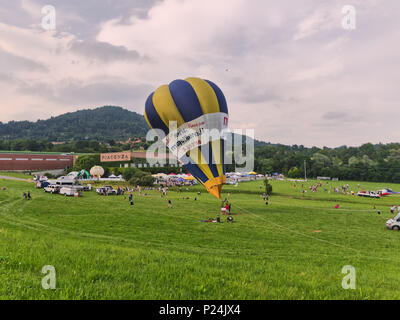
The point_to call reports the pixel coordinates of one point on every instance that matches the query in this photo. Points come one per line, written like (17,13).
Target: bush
(86,162)
(129,173)
(294,173)
(138,177)
(268,187)
(49,175)
(146,180)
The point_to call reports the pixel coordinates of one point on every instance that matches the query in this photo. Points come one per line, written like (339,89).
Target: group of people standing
(226,207)
(27,195)
(393,209)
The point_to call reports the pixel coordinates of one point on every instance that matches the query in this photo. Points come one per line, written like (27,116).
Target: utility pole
(305,170)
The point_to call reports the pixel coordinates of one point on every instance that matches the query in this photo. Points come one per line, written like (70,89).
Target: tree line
(369,162)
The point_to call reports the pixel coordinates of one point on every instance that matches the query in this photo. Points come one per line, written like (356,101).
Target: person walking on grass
(131,199)
(169,203)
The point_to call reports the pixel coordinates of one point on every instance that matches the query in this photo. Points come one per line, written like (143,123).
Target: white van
(70,182)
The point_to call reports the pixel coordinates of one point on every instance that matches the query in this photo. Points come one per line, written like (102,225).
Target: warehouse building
(30,161)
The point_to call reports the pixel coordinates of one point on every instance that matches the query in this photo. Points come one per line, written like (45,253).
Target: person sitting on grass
(229,219)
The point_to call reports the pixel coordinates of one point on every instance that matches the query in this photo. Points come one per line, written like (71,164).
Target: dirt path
(13,178)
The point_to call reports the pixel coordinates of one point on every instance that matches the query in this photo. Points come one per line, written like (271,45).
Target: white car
(368,194)
(106,191)
(69,191)
(52,189)
(393,224)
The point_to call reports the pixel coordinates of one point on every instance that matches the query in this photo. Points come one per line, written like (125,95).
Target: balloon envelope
(97,171)
(192,114)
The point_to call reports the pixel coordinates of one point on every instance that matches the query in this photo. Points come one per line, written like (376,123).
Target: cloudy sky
(289,69)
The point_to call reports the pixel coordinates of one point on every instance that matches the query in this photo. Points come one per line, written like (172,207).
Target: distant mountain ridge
(102,124)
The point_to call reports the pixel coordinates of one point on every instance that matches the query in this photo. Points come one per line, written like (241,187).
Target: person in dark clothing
(29,195)
(131,199)
(25,196)
(229,219)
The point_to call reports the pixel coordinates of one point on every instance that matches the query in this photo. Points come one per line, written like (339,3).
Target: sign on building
(115,157)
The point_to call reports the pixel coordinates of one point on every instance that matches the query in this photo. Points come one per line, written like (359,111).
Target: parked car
(52,189)
(70,191)
(106,191)
(393,224)
(368,194)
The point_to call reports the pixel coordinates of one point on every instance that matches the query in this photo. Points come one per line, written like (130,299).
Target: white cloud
(287,69)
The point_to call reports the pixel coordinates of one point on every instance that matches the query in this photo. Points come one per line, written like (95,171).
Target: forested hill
(102,124)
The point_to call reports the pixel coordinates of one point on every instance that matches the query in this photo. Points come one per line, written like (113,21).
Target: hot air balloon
(185,111)
(97,171)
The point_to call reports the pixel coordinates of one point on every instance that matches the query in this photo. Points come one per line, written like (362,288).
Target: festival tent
(113,176)
(190,178)
(252,173)
(73,174)
(159,175)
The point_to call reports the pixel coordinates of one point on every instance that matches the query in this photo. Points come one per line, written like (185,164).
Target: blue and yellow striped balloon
(195,105)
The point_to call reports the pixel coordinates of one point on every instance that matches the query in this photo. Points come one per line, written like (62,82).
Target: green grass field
(102,248)
(15,174)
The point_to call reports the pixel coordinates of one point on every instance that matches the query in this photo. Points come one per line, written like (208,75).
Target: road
(13,178)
